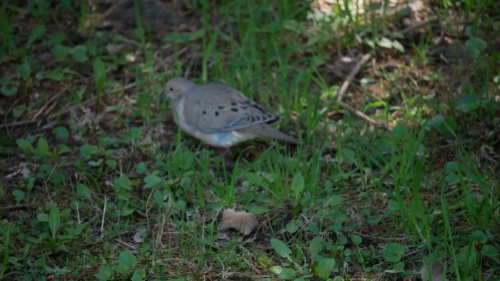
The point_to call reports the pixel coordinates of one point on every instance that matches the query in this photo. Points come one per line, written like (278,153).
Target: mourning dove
(219,115)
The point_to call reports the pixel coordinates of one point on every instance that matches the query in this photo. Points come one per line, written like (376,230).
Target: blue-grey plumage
(219,115)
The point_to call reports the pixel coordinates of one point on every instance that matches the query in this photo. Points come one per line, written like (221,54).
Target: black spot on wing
(221,107)
(204,112)
(216,113)
(234,109)
(234,103)
(253,104)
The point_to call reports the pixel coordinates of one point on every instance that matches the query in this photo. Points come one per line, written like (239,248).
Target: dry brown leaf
(243,221)
(138,235)
(114,49)
(437,271)
(355,217)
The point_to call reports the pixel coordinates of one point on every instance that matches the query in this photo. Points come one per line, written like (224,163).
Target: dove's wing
(217,108)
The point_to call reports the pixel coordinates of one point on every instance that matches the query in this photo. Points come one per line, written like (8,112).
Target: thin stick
(363,116)
(53,98)
(71,108)
(419,25)
(351,76)
(103,215)
(20,123)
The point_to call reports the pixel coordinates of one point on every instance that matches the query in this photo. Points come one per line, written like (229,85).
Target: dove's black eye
(171,89)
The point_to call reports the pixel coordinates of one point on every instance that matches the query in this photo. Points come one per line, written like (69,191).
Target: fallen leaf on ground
(243,221)
(437,271)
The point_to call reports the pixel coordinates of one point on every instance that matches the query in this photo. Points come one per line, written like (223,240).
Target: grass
(87,192)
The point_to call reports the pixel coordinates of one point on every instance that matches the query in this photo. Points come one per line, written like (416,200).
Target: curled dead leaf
(138,235)
(356,217)
(114,49)
(437,271)
(243,221)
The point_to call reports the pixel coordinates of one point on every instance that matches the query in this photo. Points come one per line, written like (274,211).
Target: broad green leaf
(42,218)
(467,255)
(348,155)
(43,145)
(471,31)
(111,163)
(141,168)
(281,249)
(276,269)
(79,53)
(104,273)
(83,191)
(479,237)
(24,70)
(61,132)
(18,195)
(400,132)
(258,210)
(8,91)
(139,274)
(122,268)
(356,239)
(25,145)
(475,46)
(180,205)
(60,52)
(127,258)
(490,251)
(436,121)
(385,42)
(392,252)
(87,150)
(398,46)
(99,68)
(335,200)
(324,267)
(399,267)
(292,226)
(287,274)
(37,33)
(95,163)
(133,134)
(315,246)
(298,185)
(123,183)
(393,206)
(65,213)
(469,103)
(54,221)
(56,75)
(151,181)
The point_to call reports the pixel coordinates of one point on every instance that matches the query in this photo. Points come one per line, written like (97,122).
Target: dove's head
(176,87)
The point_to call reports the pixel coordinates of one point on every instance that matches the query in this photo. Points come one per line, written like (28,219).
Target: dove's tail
(265,130)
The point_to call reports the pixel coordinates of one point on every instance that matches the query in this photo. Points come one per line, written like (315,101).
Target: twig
(71,108)
(380,238)
(21,206)
(344,88)
(419,25)
(363,116)
(162,63)
(53,98)
(20,123)
(103,215)
(351,76)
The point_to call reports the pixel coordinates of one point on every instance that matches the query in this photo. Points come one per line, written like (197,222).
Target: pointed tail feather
(267,131)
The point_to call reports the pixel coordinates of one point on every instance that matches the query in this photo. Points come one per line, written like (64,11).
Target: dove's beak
(164,96)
